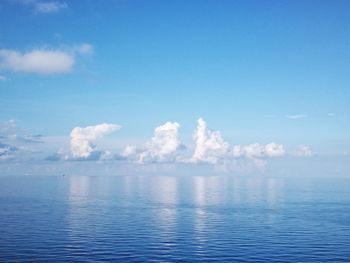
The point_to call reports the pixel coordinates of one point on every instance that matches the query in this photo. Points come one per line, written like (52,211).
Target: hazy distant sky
(260,72)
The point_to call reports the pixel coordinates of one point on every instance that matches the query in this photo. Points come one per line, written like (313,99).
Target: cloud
(83,140)
(129,151)
(10,132)
(49,7)
(42,6)
(17,143)
(274,150)
(42,61)
(37,61)
(210,147)
(254,150)
(7,151)
(84,49)
(163,147)
(54,157)
(3,78)
(304,151)
(297,116)
(257,150)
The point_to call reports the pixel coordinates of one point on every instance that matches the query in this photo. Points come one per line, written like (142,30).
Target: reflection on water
(274,191)
(78,187)
(174,218)
(78,196)
(172,190)
(230,190)
(164,190)
(199,190)
(166,196)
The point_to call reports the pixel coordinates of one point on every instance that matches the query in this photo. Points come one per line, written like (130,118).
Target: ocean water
(174,219)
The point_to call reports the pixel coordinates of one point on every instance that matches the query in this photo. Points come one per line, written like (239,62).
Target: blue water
(174,219)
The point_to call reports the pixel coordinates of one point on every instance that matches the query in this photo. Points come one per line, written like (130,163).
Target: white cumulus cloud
(210,147)
(163,146)
(274,150)
(83,140)
(36,61)
(42,61)
(129,151)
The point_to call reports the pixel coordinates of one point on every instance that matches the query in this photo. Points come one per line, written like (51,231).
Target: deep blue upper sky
(247,67)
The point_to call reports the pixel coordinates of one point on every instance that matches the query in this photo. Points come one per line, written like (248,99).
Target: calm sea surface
(174,219)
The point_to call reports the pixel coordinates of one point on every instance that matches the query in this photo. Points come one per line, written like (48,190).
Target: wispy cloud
(297,116)
(83,49)
(11,133)
(7,151)
(49,7)
(42,6)
(304,151)
(3,78)
(257,150)
(42,61)
(15,143)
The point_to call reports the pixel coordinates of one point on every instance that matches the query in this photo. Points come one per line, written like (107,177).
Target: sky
(134,86)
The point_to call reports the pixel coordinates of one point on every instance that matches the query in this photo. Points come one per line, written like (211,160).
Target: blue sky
(258,71)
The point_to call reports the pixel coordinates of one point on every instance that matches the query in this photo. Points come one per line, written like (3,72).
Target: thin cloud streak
(49,7)
(42,6)
(297,116)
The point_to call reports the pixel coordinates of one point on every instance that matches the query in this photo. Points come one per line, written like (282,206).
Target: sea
(174,218)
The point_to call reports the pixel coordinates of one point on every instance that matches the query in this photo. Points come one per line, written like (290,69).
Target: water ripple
(176,219)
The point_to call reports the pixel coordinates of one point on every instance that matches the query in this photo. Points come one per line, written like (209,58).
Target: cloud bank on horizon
(166,147)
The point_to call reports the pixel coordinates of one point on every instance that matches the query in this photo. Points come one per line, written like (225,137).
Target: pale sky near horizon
(260,72)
